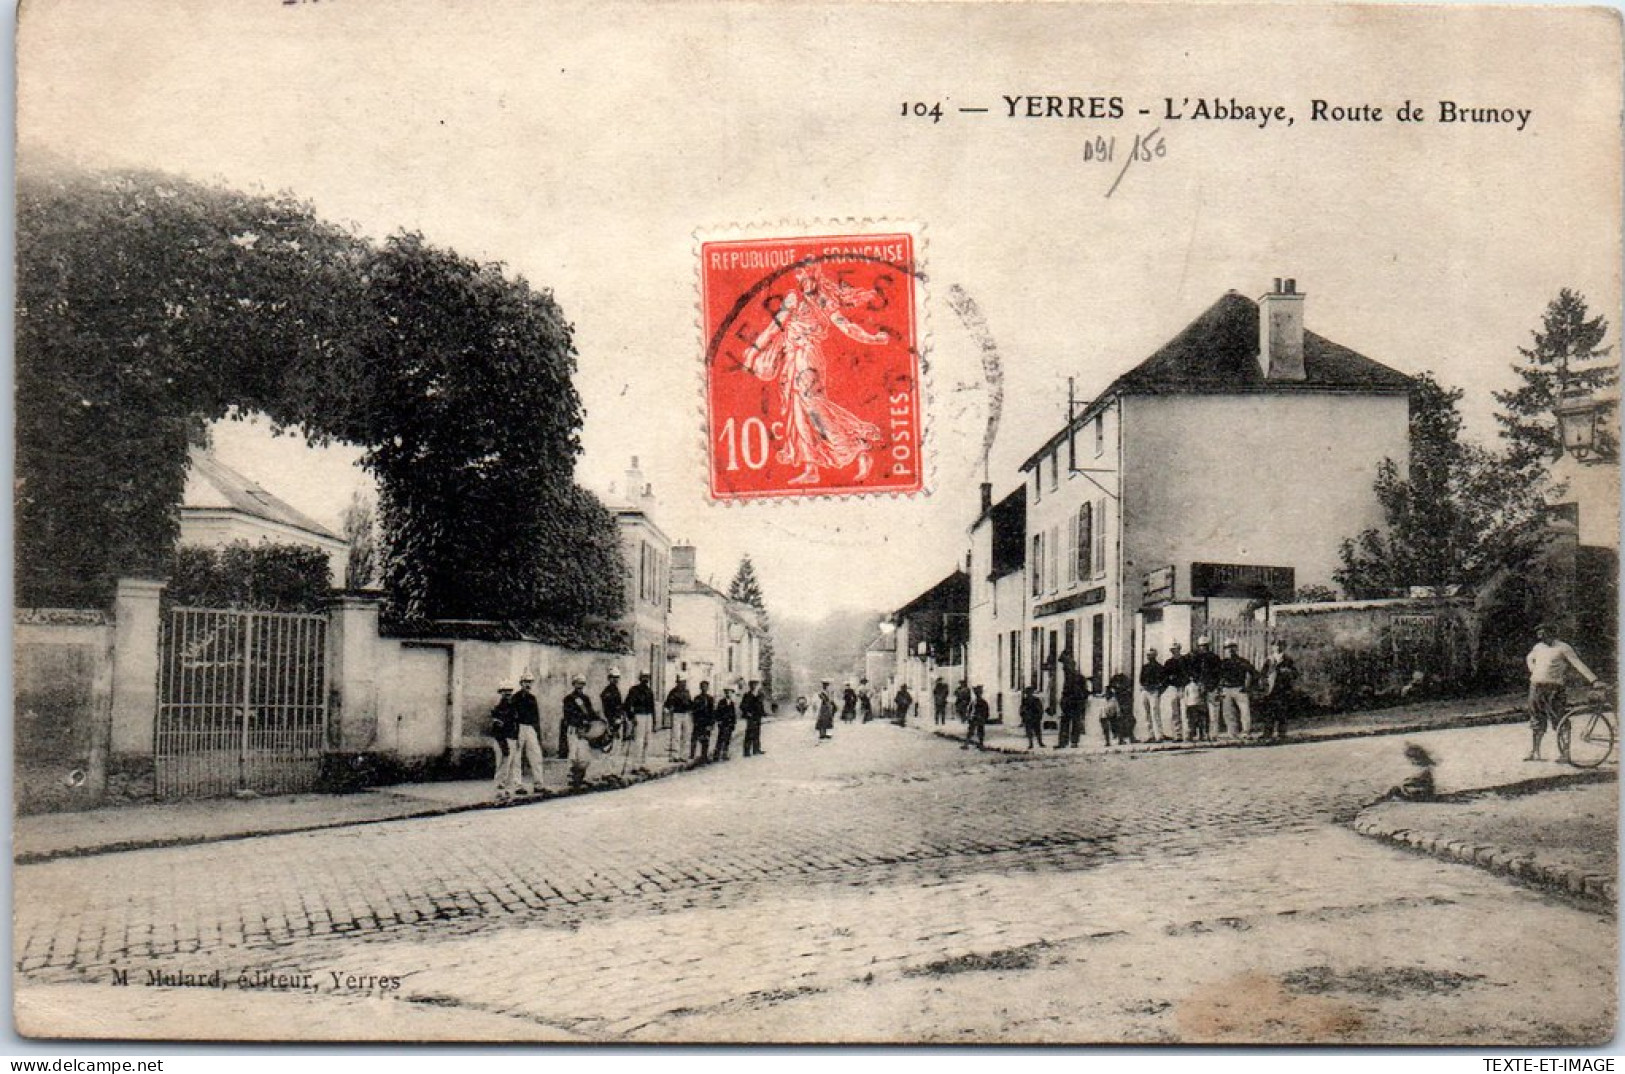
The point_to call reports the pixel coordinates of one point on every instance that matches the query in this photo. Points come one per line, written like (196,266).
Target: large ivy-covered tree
(1461,513)
(1567,355)
(747,589)
(148,306)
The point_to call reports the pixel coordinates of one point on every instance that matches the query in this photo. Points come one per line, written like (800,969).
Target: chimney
(635,484)
(682,566)
(987,497)
(1280,332)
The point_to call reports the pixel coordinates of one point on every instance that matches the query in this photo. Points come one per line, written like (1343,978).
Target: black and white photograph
(847,523)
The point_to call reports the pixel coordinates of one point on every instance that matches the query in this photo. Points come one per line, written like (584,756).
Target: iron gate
(242,702)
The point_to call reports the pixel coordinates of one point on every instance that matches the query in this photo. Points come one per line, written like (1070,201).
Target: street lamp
(1580,424)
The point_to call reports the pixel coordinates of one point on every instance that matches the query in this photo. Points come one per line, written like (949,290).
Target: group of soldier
(516,727)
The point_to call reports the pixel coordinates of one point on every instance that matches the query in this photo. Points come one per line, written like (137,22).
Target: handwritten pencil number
(931,110)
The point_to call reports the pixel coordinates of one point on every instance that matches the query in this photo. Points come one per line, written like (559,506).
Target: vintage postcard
(910,523)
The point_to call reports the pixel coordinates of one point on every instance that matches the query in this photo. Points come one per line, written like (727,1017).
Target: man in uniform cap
(1176,673)
(504,741)
(724,717)
(680,707)
(1235,700)
(640,705)
(609,701)
(528,716)
(753,710)
(578,717)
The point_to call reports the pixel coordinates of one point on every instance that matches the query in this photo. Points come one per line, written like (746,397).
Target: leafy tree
(285,577)
(148,306)
(361,532)
(1460,515)
(1567,354)
(747,589)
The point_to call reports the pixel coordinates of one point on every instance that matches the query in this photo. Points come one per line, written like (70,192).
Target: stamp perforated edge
(819,228)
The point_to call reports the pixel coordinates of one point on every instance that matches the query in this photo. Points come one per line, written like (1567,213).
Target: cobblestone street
(885,885)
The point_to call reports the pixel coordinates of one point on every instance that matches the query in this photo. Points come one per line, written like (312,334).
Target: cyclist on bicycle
(1549,663)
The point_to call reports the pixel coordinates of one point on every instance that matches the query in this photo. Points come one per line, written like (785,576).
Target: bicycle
(1597,723)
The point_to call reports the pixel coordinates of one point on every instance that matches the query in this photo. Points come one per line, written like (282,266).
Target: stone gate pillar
(135,667)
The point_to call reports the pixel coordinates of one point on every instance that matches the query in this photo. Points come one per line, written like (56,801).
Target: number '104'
(923,110)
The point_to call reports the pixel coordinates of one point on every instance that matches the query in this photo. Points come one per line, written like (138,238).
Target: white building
(1222,471)
(647,552)
(221,506)
(998,601)
(714,639)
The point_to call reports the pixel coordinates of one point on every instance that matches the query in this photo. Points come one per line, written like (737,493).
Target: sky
(588,146)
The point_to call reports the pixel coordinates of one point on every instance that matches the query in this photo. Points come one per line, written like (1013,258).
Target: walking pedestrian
(1235,701)
(939,701)
(962,702)
(1280,691)
(640,707)
(1074,699)
(849,703)
(724,718)
(578,717)
(680,710)
(612,705)
(979,715)
(752,710)
(705,706)
(504,741)
(901,703)
(1152,681)
(866,704)
(527,716)
(826,712)
(1175,674)
(1032,716)
(1549,663)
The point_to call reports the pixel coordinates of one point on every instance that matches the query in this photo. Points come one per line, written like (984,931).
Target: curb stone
(607,782)
(1602,891)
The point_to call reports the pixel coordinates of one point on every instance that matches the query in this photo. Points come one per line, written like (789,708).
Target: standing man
(1235,705)
(504,741)
(901,704)
(849,704)
(724,717)
(1203,665)
(962,702)
(527,716)
(979,715)
(680,707)
(826,712)
(1152,681)
(578,716)
(753,711)
(640,706)
(1549,664)
(1032,716)
(939,700)
(1074,699)
(1280,690)
(1175,674)
(614,709)
(705,707)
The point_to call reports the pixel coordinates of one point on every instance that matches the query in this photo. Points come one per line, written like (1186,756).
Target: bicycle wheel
(1591,737)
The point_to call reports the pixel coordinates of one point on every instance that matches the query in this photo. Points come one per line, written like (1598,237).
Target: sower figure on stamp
(640,706)
(578,717)
(680,707)
(752,711)
(1549,663)
(1152,680)
(818,434)
(505,740)
(527,714)
(939,701)
(723,717)
(705,707)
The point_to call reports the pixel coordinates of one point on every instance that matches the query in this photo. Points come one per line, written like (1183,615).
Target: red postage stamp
(812,366)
